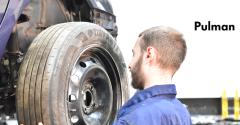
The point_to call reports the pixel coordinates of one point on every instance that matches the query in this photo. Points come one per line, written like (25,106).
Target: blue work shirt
(154,106)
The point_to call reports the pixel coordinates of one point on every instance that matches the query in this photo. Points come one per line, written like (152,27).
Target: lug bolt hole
(83,64)
(72,98)
(92,60)
(74,119)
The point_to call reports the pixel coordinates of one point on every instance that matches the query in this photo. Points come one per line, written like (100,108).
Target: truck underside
(37,48)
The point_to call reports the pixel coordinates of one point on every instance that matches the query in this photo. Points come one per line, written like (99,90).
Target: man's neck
(158,78)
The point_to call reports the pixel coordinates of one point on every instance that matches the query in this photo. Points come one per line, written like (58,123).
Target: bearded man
(157,55)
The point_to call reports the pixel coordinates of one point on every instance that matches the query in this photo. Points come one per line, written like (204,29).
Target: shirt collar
(157,90)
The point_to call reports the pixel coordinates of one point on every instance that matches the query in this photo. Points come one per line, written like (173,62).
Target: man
(157,55)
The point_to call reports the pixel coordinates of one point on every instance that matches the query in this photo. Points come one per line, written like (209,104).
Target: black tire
(71,72)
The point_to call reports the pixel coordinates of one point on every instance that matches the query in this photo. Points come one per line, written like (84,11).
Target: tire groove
(41,70)
(33,113)
(27,82)
(21,84)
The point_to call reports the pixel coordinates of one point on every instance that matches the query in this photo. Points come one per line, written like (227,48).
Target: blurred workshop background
(208,80)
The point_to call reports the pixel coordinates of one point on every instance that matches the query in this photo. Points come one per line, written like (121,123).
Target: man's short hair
(169,43)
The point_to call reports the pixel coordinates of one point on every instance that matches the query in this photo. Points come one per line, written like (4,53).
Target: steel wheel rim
(93,91)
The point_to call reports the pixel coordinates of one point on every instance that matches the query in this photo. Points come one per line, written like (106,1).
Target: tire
(72,74)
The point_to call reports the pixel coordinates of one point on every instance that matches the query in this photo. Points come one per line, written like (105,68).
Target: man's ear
(151,55)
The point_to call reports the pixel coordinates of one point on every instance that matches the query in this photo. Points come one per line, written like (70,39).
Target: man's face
(135,67)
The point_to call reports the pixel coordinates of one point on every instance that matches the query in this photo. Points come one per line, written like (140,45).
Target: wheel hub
(89,98)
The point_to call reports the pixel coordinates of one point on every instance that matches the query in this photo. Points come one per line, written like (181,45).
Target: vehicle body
(8,18)
(33,47)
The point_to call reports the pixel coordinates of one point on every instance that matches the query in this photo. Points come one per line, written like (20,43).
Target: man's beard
(137,75)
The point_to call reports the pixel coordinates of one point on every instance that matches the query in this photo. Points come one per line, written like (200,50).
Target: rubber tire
(42,85)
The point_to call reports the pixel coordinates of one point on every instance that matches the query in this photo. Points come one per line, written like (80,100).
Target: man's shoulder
(153,103)
(158,106)
(158,111)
